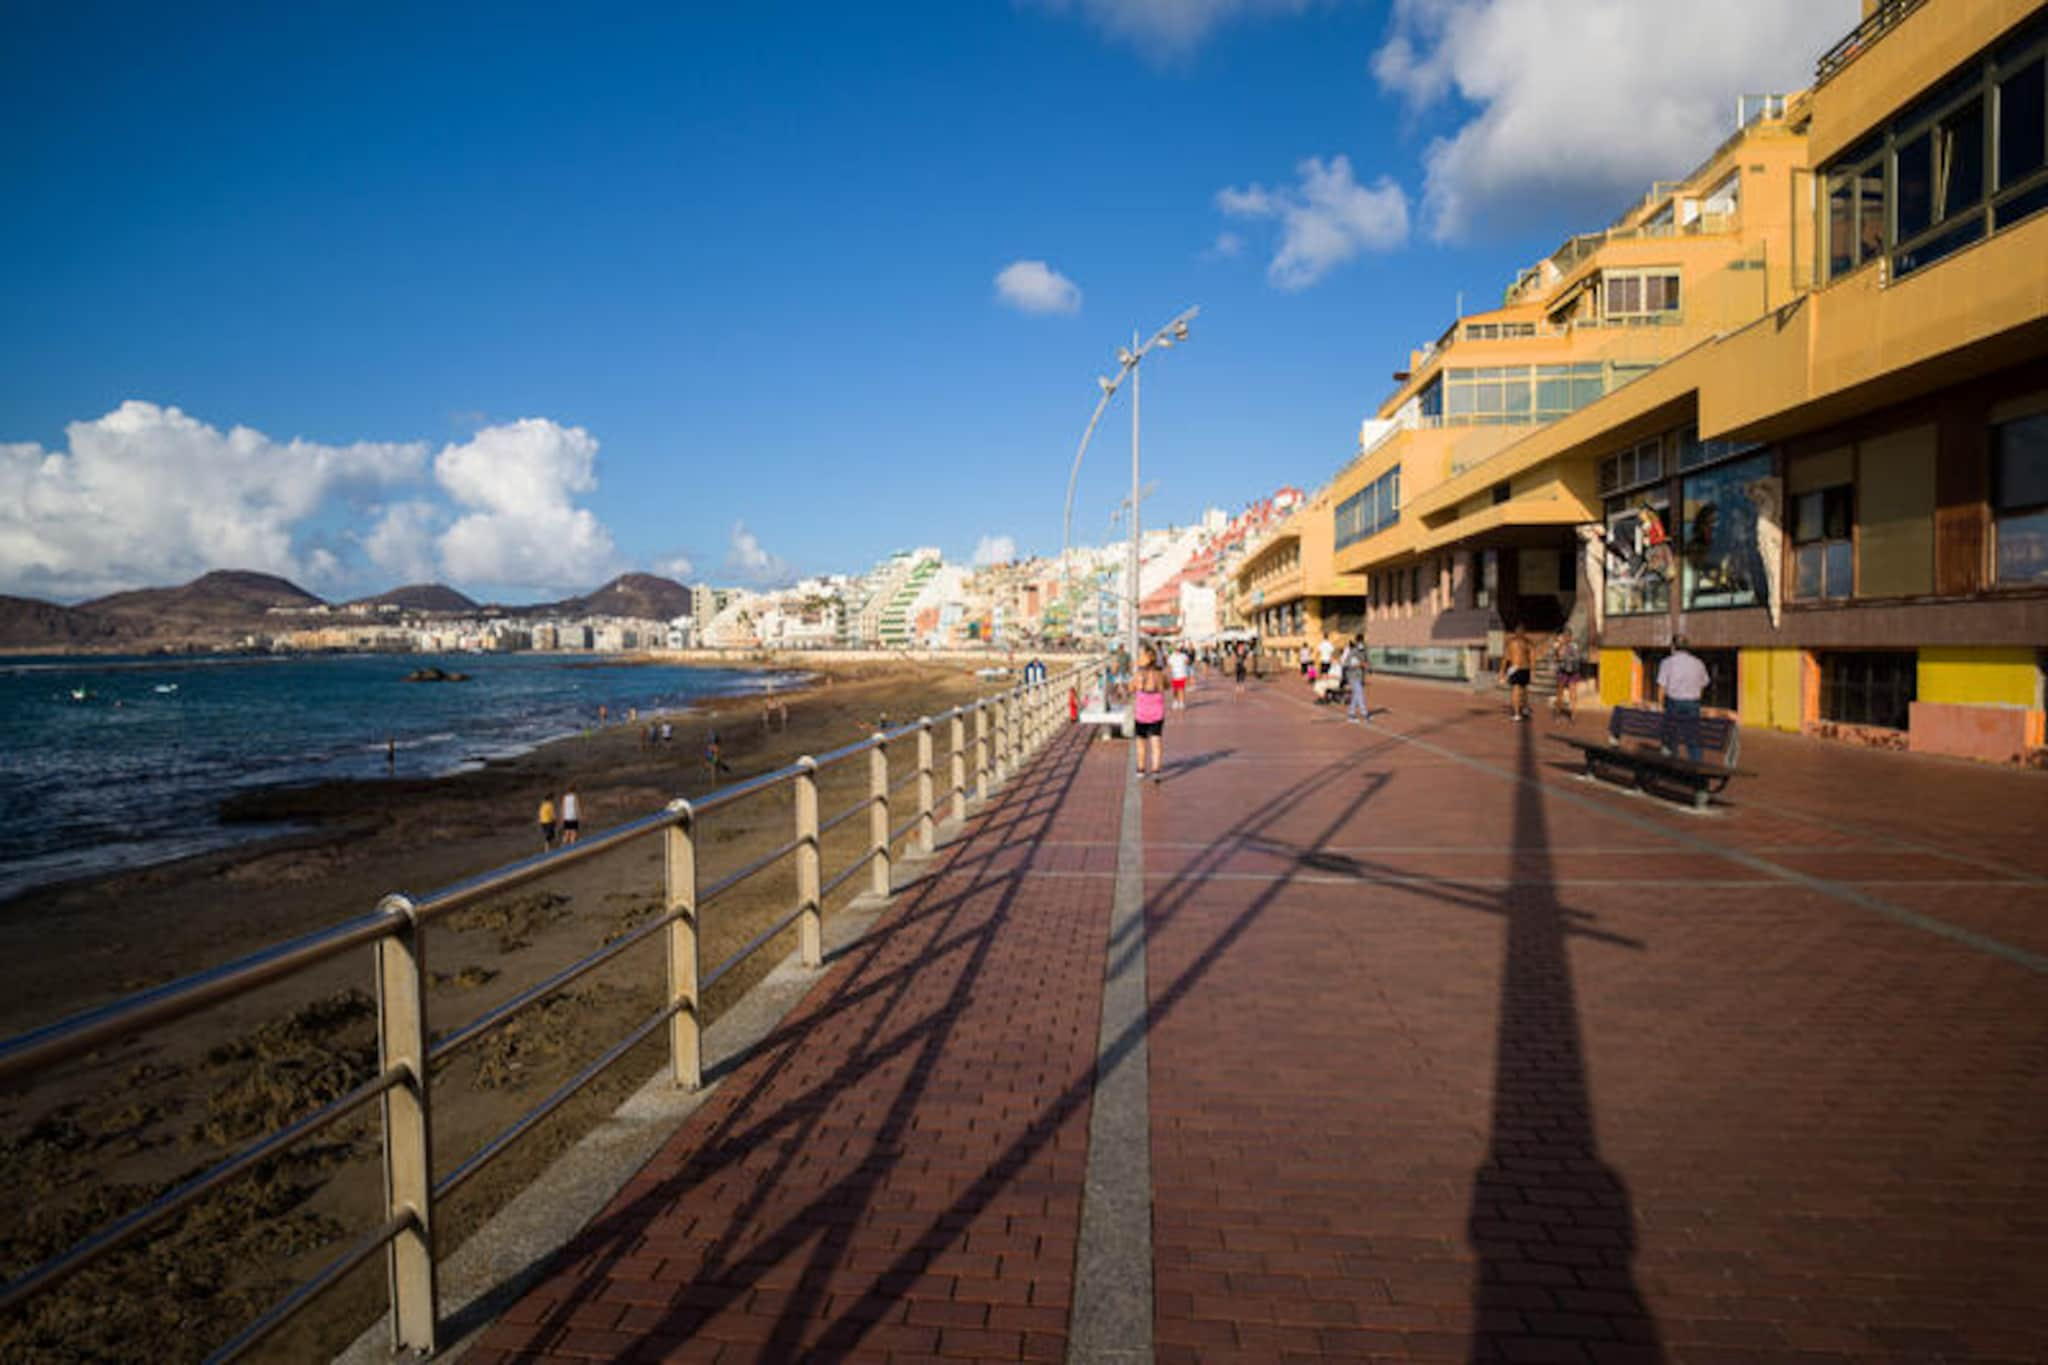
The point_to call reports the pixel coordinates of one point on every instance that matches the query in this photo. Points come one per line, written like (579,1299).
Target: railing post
(685,1028)
(927,823)
(981,749)
(957,764)
(878,817)
(408,1137)
(999,743)
(810,925)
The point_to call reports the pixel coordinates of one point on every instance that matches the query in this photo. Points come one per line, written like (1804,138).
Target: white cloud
(748,559)
(147,495)
(522,527)
(1226,245)
(677,567)
(994,550)
(1586,99)
(1035,287)
(401,541)
(1170,30)
(1326,219)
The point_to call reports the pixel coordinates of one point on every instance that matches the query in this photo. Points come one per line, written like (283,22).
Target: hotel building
(1793,406)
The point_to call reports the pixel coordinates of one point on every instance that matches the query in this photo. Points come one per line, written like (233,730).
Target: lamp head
(1124,356)
(1108,385)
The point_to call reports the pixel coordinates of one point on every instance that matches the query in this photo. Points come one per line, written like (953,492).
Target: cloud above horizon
(1035,287)
(748,559)
(148,495)
(520,525)
(1570,103)
(1168,31)
(994,550)
(1326,218)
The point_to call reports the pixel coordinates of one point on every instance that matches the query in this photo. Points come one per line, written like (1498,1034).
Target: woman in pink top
(1148,710)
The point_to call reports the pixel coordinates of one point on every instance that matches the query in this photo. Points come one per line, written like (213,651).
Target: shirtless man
(1515,664)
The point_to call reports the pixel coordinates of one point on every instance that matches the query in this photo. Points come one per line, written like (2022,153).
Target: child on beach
(572,817)
(547,823)
(713,759)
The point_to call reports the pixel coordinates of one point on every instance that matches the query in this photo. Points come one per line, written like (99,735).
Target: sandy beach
(111,1130)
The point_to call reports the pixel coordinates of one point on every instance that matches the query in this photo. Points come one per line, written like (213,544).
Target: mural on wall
(1767,496)
(1722,563)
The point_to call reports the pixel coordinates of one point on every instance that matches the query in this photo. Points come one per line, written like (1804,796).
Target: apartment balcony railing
(1006,729)
(1859,40)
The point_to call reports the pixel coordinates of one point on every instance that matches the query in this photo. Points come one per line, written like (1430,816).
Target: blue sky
(518,297)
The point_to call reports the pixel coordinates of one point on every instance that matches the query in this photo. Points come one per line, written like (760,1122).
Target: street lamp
(1128,358)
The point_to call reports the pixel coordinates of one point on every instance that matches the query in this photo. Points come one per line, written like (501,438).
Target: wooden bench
(1634,752)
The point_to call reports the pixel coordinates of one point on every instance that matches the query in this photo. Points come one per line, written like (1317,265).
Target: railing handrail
(996,749)
(1875,25)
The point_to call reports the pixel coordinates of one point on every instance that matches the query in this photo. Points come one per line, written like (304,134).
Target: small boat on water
(165,689)
(80,694)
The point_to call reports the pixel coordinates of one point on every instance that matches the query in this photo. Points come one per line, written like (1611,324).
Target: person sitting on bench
(1681,682)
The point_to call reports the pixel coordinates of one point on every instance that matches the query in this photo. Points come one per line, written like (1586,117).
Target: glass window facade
(1508,394)
(1959,164)
(2019,500)
(1370,510)
(1639,557)
(1823,554)
(1721,565)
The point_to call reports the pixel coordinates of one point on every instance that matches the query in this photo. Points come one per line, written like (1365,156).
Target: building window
(1503,395)
(1964,161)
(1640,464)
(1370,510)
(1644,294)
(1869,687)
(1639,557)
(2019,499)
(1823,555)
(1722,565)
(1489,580)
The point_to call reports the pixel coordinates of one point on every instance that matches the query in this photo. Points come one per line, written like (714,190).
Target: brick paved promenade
(1451,1055)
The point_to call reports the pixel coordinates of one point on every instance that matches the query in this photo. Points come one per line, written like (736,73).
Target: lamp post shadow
(1552,1225)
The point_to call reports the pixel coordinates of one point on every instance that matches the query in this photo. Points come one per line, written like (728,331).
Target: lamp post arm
(1073,478)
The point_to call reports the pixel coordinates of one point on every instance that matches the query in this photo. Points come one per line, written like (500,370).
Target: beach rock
(435,675)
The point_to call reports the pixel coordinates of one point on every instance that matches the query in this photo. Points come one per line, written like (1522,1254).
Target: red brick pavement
(897,1172)
(1454,1055)
(1452,1065)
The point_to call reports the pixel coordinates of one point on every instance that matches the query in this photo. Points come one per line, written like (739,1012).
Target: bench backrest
(1720,738)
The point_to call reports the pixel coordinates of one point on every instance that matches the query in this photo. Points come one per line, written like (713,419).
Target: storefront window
(1639,554)
(1721,565)
(2020,494)
(1823,555)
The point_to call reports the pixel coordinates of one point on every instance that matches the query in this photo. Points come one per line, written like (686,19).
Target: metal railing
(1007,728)
(1879,22)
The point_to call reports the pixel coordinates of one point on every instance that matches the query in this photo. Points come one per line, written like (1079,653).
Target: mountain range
(219,608)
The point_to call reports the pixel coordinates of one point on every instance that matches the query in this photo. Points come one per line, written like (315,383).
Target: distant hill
(420,597)
(644,595)
(224,598)
(28,624)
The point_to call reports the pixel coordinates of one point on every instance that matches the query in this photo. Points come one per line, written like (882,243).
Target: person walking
(572,817)
(714,757)
(1570,663)
(1177,675)
(1516,661)
(1148,711)
(1355,669)
(1326,656)
(1681,682)
(1238,671)
(546,819)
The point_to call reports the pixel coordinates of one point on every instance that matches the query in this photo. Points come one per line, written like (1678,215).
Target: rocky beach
(107,1133)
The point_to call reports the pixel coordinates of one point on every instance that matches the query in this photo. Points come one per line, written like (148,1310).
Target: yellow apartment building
(1287,587)
(1827,465)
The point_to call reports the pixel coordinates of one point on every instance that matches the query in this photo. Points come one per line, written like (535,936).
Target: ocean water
(131,774)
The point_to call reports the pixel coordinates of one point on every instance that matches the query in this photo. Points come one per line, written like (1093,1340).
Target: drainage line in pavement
(1112,1313)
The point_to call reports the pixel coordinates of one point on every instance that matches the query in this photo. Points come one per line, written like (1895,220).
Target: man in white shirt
(1328,652)
(1177,674)
(1681,682)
